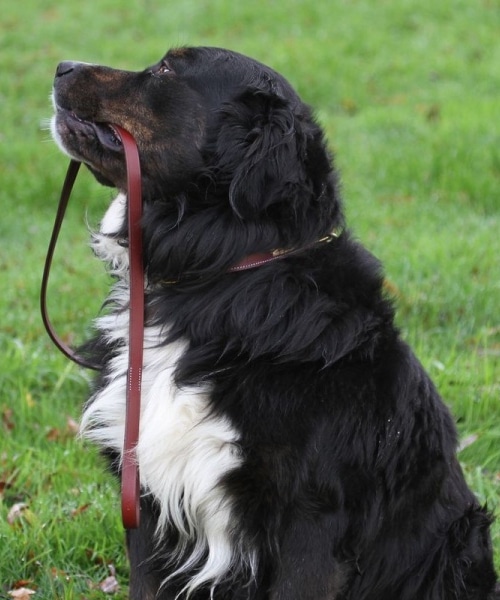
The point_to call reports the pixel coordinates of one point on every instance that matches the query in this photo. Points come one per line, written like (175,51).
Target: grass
(408,94)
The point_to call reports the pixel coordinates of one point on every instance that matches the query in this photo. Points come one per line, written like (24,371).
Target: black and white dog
(291,445)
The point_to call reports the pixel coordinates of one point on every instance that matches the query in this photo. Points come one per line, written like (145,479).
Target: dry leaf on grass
(81,509)
(58,574)
(8,418)
(54,434)
(16,512)
(109,585)
(467,441)
(72,426)
(21,583)
(3,484)
(21,593)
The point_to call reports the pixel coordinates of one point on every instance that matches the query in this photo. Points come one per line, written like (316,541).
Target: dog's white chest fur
(183,450)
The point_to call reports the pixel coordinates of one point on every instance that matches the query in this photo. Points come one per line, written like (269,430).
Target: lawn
(408,92)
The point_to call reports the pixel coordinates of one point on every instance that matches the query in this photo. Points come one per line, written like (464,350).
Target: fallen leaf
(467,441)
(109,585)
(21,593)
(7,418)
(96,558)
(53,435)
(22,583)
(73,426)
(78,511)
(16,512)
(60,435)
(58,574)
(7,477)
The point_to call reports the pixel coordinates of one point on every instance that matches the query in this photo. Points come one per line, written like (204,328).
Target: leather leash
(130,490)
(130,480)
(73,168)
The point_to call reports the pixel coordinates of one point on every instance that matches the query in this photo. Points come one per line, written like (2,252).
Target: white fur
(183,450)
(55,134)
(105,243)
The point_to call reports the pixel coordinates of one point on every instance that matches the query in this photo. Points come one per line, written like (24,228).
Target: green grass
(408,94)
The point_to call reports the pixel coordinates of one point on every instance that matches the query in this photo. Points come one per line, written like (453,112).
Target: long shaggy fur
(291,445)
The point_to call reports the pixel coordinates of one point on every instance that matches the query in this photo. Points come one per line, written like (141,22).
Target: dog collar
(262,258)
(259,259)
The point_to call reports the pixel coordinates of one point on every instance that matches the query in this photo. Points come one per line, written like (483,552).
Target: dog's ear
(270,152)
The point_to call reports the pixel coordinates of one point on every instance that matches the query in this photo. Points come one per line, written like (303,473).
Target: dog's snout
(65,67)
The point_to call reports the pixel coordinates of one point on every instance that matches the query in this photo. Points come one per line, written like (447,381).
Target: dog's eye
(164,68)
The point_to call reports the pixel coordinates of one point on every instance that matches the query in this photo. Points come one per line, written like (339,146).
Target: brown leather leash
(73,168)
(130,479)
(130,490)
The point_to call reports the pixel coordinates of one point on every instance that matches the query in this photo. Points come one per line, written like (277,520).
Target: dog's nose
(65,67)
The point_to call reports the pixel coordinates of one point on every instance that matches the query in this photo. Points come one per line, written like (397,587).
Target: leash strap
(130,479)
(73,168)
(130,497)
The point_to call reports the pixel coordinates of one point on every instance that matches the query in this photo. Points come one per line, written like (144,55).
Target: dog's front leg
(145,580)
(306,568)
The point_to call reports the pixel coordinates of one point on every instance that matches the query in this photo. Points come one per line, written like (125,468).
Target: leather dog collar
(262,258)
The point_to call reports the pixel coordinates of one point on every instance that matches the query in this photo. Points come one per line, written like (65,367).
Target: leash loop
(72,172)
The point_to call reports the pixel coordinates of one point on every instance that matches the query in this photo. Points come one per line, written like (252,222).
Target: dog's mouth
(95,143)
(105,133)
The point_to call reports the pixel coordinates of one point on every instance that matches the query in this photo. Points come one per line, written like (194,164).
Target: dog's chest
(183,450)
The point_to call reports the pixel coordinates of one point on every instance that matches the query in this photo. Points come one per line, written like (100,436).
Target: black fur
(349,488)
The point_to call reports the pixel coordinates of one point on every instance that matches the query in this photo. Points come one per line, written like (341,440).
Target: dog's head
(223,131)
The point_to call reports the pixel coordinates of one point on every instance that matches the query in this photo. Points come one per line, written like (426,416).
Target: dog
(291,445)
